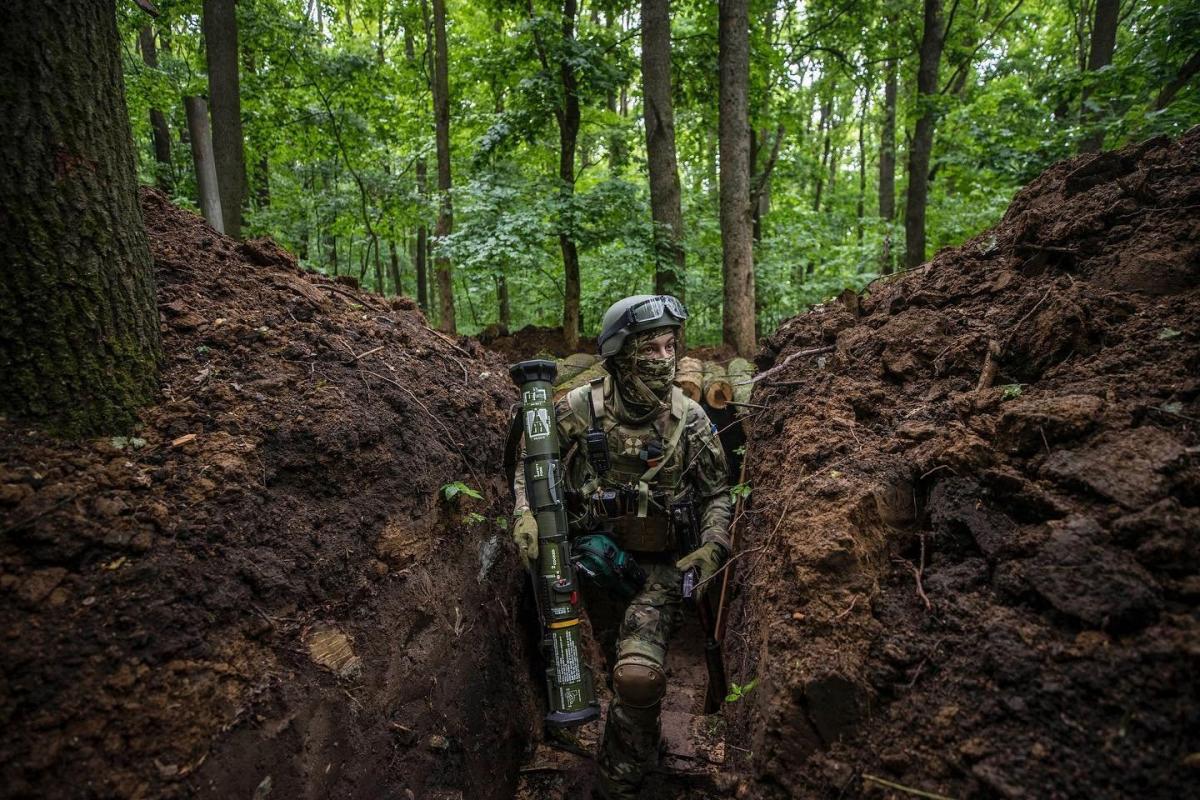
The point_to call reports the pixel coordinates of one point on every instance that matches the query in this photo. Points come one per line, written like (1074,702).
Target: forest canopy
(336,109)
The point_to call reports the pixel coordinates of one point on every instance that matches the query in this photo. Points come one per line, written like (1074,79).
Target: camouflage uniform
(695,468)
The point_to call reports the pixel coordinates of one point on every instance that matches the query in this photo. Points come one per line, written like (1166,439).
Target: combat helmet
(642,312)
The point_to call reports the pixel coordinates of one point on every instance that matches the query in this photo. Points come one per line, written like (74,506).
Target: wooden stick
(812,351)
(719,625)
(906,789)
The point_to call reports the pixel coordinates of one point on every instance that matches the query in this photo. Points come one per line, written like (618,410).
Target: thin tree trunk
(200,136)
(738,318)
(79,341)
(262,180)
(1104,41)
(419,248)
(922,142)
(441,118)
(659,111)
(618,153)
(887,164)
(505,309)
(224,91)
(823,128)
(1185,74)
(163,173)
(567,117)
(397,283)
(862,165)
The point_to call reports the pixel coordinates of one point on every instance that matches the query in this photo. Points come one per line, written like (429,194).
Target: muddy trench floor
(694,752)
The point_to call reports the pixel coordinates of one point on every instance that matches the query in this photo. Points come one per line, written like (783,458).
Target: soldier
(651,475)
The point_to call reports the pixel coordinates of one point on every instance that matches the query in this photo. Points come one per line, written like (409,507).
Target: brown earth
(532,342)
(1049,513)
(263,589)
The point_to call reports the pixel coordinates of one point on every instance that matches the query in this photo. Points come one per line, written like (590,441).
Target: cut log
(741,375)
(574,364)
(690,377)
(579,379)
(717,390)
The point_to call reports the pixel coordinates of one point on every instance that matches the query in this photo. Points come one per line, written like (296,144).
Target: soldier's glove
(707,559)
(525,534)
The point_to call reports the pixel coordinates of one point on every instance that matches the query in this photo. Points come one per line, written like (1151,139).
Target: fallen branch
(812,351)
(906,789)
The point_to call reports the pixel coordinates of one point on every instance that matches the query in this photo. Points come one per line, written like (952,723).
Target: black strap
(512,443)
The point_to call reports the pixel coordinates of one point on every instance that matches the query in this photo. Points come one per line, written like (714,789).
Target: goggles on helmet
(653,308)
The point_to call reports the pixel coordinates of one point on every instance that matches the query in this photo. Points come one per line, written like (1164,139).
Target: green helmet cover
(615,327)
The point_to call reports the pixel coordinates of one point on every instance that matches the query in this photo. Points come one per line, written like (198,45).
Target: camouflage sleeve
(568,427)
(710,479)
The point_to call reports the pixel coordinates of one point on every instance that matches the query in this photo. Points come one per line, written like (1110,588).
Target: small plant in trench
(739,690)
(740,490)
(474,518)
(453,492)
(1012,391)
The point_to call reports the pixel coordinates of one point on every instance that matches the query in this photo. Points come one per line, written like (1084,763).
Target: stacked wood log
(572,365)
(741,375)
(689,376)
(717,391)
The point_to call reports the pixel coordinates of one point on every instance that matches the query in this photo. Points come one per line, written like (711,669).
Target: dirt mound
(532,342)
(262,588)
(974,562)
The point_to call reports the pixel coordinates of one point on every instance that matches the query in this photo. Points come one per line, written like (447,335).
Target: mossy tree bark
(733,43)
(659,110)
(79,338)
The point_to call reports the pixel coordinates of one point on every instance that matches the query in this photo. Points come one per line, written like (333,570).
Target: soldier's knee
(639,682)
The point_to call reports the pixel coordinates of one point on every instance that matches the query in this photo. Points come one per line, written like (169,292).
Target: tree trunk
(1185,74)
(922,141)
(862,165)
(823,129)
(568,134)
(505,308)
(618,153)
(163,173)
(737,324)
(887,164)
(419,247)
(262,179)
(441,118)
(1104,41)
(397,283)
(659,113)
(224,91)
(79,343)
(202,156)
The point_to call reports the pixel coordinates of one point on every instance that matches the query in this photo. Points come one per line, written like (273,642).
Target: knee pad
(639,682)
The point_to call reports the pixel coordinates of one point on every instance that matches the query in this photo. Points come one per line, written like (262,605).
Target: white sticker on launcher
(537,423)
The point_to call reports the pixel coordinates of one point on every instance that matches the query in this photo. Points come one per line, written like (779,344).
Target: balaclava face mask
(645,382)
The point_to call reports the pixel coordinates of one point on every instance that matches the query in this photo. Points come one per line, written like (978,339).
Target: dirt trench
(262,591)
(972,567)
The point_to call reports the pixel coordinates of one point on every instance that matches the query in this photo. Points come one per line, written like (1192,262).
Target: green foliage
(738,691)
(453,492)
(741,490)
(1012,391)
(338,120)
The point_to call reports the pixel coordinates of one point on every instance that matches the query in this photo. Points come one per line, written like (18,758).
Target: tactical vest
(632,500)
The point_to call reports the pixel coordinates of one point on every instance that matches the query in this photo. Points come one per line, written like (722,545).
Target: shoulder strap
(596,401)
(512,443)
(649,475)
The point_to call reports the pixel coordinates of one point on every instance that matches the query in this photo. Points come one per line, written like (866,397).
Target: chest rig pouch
(639,519)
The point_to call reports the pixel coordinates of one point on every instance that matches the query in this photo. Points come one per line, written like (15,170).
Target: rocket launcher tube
(568,679)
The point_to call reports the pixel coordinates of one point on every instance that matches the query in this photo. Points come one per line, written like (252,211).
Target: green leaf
(1011,391)
(452,491)
(1168,333)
